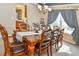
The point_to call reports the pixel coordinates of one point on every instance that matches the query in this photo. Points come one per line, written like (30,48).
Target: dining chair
(21,26)
(60,39)
(44,43)
(11,48)
(56,27)
(54,39)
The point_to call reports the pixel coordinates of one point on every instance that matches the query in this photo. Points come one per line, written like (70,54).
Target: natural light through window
(61,23)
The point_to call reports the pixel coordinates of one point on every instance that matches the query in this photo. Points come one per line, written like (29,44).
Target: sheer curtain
(69,17)
(61,23)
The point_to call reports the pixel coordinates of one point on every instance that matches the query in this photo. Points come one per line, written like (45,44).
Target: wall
(8,16)
(33,14)
(45,16)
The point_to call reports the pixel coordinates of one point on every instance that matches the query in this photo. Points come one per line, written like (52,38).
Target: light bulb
(45,6)
(49,9)
(39,7)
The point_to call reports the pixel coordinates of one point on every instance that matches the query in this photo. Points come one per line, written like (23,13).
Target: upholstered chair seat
(16,44)
(45,43)
(18,49)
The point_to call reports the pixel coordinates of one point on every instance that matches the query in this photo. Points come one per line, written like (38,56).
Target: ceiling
(49,4)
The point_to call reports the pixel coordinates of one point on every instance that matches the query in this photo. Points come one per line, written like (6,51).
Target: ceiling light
(39,7)
(44,8)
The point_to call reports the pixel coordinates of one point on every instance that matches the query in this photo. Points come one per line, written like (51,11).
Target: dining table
(31,38)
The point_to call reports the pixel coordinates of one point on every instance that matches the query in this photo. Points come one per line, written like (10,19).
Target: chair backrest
(5,39)
(21,26)
(61,33)
(45,35)
(14,35)
(55,34)
(56,27)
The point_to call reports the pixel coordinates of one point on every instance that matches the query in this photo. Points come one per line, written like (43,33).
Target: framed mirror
(21,13)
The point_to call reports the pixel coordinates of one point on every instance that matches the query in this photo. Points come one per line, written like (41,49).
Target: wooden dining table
(31,39)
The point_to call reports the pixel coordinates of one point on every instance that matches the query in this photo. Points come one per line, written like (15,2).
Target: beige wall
(8,16)
(45,16)
(33,14)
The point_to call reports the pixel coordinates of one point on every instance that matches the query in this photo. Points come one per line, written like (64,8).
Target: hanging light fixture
(44,8)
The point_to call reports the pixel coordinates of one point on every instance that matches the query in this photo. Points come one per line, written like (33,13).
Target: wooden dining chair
(54,39)
(14,48)
(56,27)
(60,39)
(21,26)
(44,43)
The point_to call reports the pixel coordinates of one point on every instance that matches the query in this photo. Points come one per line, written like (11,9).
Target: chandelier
(44,8)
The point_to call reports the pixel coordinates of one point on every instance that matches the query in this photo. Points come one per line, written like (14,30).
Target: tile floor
(66,50)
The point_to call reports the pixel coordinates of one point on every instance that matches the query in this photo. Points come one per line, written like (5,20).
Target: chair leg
(48,51)
(39,52)
(51,48)
(56,46)
(61,43)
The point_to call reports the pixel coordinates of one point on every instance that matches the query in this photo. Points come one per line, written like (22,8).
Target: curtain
(69,17)
(52,16)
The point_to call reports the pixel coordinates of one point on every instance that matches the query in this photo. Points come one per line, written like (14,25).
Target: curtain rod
(64,9)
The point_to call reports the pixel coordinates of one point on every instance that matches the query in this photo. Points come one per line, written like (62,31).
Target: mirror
(21,13)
